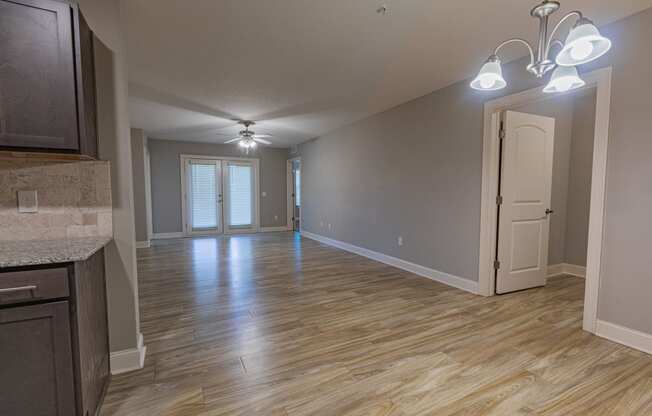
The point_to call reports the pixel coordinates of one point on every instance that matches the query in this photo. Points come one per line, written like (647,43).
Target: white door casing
(526,180)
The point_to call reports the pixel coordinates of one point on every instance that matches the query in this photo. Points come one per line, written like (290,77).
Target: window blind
(240,195)
(203,181)
(297,188)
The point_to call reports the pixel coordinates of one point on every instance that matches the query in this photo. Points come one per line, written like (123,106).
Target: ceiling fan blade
(233,140)
(262,135)
(262,141)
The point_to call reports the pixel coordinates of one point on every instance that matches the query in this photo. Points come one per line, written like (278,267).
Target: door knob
(549,211)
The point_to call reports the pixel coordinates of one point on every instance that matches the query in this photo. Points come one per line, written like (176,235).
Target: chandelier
(583,44)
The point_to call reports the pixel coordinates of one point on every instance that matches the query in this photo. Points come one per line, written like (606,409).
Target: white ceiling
(302,68)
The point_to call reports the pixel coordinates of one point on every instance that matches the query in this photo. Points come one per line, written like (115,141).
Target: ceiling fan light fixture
(490,77)
(583,44)
(564,78)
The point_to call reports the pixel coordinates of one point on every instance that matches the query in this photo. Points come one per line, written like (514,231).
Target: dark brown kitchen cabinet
(37,369)
(54,345)
(47,85)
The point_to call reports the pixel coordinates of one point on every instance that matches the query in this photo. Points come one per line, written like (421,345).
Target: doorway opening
(544,185)
(294,194)
(219,195)
(524,221)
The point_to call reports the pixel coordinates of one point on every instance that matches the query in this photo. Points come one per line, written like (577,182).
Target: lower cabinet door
(36,376)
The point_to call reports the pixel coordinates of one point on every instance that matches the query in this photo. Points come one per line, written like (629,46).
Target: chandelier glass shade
(583,44)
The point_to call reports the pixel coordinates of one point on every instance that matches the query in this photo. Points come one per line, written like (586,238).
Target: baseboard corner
(128,360)
(165,236)
(279,229)
(143,244)
(567,268)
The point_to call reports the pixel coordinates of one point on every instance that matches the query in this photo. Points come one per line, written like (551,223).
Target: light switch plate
(27,201)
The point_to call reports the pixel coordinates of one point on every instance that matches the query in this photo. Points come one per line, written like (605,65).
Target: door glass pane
(240,195)
(297,187)
(203,182)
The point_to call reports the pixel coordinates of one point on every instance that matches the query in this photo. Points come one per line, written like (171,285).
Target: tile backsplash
(74,199)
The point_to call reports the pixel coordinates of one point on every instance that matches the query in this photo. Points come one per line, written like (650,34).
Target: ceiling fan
(247,138)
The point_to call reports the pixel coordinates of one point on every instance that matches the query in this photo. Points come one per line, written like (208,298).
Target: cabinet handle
(18,289)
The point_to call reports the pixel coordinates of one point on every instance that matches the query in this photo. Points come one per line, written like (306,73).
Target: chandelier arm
(551,39)
(516,40)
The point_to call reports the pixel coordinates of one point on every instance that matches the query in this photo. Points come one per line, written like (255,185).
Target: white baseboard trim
(143,244)
(566,268)
(274,229)
(441,277)
(626,336)
(165,236)
(129,360)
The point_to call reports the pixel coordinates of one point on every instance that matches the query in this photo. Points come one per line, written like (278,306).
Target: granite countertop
(37,252)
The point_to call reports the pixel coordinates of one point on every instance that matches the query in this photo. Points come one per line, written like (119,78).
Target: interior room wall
(104,17)
(415,171)
(579,179)
(138,153)
(166,181)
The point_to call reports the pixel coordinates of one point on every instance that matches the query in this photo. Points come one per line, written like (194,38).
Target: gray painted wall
(104,17)
(138,151)
(166,181)
(579,179)
(415,171)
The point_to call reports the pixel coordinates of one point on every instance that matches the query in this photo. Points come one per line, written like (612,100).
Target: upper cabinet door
(38,106)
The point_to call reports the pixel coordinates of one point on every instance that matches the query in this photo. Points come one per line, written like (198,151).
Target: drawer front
(33,285)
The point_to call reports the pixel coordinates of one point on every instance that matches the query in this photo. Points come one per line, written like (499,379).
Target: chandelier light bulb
(582,50)
(490,77)
(564,78)
(583,44)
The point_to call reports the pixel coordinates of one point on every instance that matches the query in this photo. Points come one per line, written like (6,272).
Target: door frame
(289,187)
(225,229)
(600,80)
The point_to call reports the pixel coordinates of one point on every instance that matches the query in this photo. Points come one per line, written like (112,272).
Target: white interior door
(526,179)
(241,211)
(203,196)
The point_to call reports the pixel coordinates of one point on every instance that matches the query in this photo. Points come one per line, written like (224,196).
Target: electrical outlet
(27,202)
(275,217)
(400,241)
(330,226)
(264,194)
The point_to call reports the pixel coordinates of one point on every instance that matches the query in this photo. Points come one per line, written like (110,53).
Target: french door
(240,196)
(220,196)
(203,197)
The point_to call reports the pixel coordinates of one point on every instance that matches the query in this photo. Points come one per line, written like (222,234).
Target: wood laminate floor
(272,324)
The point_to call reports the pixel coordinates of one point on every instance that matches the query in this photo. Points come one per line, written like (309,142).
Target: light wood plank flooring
(273,324)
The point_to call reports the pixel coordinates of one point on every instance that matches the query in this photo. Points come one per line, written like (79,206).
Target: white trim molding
(626,336)
(166,236)
(601,80)
(143,244)
(441,277)
(129,360)
(275,229)
(566,268)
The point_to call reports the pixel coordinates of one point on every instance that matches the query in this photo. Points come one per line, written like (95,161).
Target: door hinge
(501,133)
(499,200)
(496,265)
